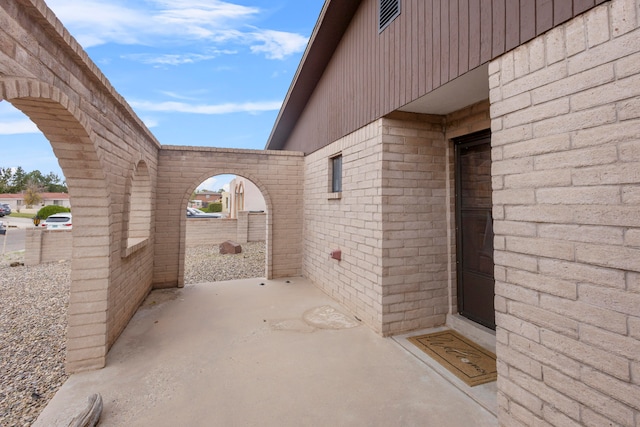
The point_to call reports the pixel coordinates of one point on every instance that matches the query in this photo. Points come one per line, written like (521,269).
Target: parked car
(5,209)
(3,228)
(197,213)
(59,221)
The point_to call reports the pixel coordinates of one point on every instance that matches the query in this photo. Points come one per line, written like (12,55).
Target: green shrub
(214,207)
(50,210)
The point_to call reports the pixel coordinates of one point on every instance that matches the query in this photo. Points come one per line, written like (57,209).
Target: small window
(336,174)
(388,11)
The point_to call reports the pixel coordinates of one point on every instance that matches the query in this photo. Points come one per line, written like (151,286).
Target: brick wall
(42,246)
(277,174)
(415,228)
(565,113)
(351,223)
(212,231)
(393,221)
(257,229)
(98,142)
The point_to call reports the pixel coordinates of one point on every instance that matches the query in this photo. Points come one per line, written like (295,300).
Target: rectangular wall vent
(389,10)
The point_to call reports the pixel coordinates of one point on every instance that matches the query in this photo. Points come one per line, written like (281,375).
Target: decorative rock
(230,247)
(90,416)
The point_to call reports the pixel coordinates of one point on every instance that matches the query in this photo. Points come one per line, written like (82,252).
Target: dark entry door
(474,226)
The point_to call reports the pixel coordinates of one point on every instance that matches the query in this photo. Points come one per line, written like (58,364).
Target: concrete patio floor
(240,353)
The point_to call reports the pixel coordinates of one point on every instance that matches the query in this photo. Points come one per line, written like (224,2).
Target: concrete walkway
(260,353)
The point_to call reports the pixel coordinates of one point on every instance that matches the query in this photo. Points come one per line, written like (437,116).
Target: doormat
(465,359)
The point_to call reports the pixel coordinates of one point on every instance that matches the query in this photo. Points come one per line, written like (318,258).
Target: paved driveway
(13,240)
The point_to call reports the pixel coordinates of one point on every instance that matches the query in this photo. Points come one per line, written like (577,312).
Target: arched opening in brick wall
(67,130)
(34,298)
(248,225)
(217,216)
(138,200)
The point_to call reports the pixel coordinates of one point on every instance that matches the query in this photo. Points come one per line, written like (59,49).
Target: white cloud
(94,22)
(173,22)
(18,127)
(14,121)
(278,44)
(194,14)
(217,182)
(177,95)
(150,122)
(209,184)
(168,59)
(211,109)
(177,58)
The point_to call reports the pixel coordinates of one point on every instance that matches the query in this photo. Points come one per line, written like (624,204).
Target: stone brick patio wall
(129,226)
(350,221)
(278,175)
(414,222)
(389,221)
(100,144)
(207,231)
(565,113)
(42,246)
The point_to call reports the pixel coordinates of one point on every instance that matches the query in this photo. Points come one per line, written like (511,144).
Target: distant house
(16,201)
(244,196)
(203,199)
(226,201)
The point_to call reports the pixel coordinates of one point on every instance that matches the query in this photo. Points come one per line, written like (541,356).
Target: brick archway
(66,128)
(108,156)
(277,174)
(229,170)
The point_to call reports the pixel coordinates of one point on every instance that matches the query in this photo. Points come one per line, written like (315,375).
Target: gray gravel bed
(206,264)
(33,321)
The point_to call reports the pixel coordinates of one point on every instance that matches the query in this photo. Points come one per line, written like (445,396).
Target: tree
(53,184)
(32,194)
(18,180)
(5,179)
(15,181)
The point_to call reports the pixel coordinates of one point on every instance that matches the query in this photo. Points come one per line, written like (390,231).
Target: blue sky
(197,72)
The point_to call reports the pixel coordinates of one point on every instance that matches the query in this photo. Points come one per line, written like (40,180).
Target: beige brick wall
(393,222)
(277,174)
(566,162)
(213,231)
(42,246)
(98,141)
(352,224)
(257,227)
(415,228)
(210,231)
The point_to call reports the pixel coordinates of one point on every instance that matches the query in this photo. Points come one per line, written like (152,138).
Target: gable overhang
(469,88)
(332,23)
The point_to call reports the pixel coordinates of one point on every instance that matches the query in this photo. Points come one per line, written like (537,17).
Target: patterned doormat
(465,359)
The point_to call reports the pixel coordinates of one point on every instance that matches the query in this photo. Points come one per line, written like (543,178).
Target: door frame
(470,140)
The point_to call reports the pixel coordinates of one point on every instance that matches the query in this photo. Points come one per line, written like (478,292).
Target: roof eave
(332,23)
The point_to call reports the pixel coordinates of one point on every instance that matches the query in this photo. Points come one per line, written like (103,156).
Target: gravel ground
(33,322)
(32,337)
(206,264)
